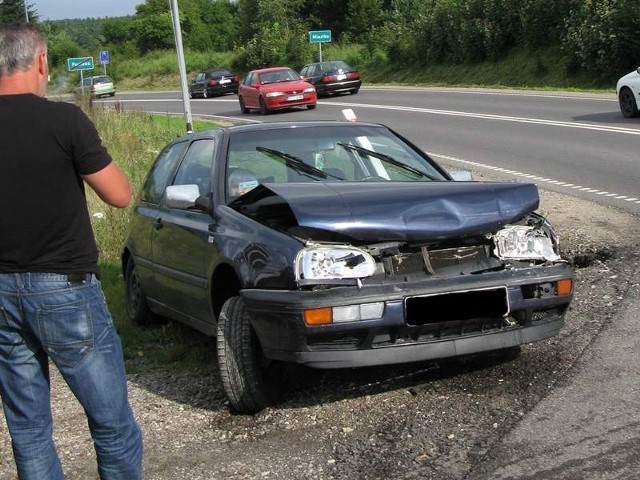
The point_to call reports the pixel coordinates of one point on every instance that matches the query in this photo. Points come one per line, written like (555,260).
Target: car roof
(272,69)
(252,127)
(328,62)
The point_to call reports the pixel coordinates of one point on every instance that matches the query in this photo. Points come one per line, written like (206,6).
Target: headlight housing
(274,94)
(524,242)
(333,262)
(309,90)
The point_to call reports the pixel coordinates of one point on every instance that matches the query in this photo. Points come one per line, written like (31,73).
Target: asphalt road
(576,144)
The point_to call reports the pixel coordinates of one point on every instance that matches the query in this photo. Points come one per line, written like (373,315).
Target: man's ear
(42,64)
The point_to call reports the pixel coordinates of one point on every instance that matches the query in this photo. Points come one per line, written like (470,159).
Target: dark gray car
(214,82)
(336,244)
(331,78)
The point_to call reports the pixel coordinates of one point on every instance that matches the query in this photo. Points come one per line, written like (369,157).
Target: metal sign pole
(320,47)
(181,67)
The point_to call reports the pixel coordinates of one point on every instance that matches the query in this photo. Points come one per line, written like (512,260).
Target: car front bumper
(277,317)
(286,101)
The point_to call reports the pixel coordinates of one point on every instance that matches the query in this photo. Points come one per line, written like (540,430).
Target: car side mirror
(181,196)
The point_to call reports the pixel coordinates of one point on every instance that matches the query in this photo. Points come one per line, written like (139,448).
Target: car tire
(136,301)
(354,91)
(311,107)
(627,102)
(250,381)
(243,107)
(263,107)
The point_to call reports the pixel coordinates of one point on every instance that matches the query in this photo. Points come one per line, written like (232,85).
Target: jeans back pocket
(66,331)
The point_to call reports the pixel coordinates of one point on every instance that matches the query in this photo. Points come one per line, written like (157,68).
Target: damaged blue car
(336,244)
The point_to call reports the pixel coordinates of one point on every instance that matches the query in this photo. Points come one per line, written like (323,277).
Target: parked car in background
(214,82)
(275,88)
(97,86)
(336,244)
(332,77)
(628,91)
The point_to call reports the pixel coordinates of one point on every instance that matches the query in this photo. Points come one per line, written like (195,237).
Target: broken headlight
(333,262)
(521,242)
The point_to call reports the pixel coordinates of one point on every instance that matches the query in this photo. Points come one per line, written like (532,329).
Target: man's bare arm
(111,185)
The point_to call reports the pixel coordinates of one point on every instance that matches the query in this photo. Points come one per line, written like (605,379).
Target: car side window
(158,176)
(196,166)
(249,79)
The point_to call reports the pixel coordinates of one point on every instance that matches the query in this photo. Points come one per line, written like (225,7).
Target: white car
(628,91)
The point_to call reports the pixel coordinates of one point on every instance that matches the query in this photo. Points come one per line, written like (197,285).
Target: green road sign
(82,63)
(320,36)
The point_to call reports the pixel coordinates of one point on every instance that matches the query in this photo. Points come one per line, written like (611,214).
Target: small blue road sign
(104,57)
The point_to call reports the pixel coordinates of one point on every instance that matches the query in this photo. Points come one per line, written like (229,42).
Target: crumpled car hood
(389,211)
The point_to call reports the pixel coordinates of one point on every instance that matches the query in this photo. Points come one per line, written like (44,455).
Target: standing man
(51,302)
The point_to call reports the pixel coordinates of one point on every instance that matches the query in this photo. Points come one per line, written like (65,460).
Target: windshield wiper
(386,158)
(297,164)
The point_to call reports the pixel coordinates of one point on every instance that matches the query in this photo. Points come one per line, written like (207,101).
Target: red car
(275,88)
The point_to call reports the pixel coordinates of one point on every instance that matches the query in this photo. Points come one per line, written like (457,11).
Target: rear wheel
(136,300)
(250,380)
(263,107)
(243,107)
(628,105)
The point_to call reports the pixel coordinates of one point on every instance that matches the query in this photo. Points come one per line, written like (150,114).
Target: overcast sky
(64,9)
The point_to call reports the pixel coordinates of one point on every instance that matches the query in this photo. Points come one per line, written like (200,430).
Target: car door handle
(157,224)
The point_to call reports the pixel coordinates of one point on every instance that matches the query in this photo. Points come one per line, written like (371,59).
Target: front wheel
(250,380)
(628,105)
(311,107)
(263,107)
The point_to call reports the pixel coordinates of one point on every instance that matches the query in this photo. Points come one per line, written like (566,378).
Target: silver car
(97,86)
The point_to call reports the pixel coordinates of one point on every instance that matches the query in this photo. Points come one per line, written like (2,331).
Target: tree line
(599,37)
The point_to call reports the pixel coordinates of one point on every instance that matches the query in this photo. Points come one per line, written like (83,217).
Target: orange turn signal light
(564,286)
(318,316)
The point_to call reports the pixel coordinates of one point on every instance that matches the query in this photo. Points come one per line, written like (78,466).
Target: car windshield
(353,152)
(334,66)
(278,76)
(102,79)
(218,73)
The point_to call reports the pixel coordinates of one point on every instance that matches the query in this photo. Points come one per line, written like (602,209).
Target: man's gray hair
(19,45)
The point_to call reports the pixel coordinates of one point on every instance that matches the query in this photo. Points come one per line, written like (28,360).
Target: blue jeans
(63,318)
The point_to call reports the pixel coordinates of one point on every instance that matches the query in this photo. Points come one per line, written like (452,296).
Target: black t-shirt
(44,221)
